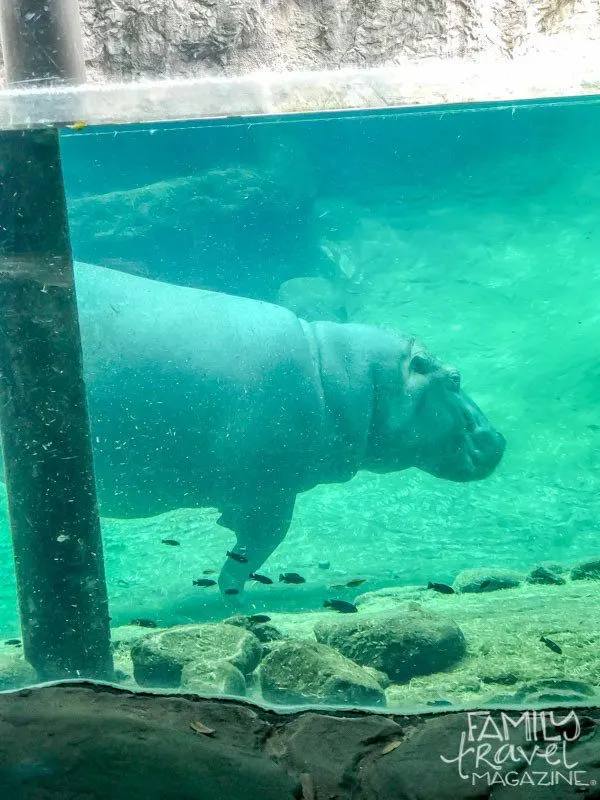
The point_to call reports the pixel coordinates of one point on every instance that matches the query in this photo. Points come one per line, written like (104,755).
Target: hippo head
(423,419)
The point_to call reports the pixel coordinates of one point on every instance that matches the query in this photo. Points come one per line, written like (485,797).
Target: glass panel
(471,228)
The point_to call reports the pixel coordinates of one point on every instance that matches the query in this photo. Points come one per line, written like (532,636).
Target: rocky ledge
(98,742)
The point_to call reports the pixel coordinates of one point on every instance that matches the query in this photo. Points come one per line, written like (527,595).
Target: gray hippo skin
(203,399)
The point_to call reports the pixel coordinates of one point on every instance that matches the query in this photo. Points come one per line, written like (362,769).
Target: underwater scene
(343,377)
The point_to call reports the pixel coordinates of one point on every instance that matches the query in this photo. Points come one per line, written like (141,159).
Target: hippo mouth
(474,458)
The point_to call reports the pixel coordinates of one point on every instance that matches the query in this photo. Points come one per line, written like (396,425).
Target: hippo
(201,399)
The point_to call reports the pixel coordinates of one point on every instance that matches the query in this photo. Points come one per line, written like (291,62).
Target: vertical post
(43,409)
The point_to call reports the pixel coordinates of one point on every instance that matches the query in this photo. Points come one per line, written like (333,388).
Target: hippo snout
(487,448)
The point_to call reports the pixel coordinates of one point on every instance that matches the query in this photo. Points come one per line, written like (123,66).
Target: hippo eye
(421,365)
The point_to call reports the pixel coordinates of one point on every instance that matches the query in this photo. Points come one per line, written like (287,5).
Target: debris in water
(389,748)
(204,582)
(201,728)
(171,542)
(324,564)
(144,623)
(341,605)
(260,578)
(78,126)
(291,577)
(552,645)
(442,588)
(240,557)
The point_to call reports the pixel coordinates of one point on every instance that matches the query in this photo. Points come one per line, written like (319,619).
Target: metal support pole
(43,410)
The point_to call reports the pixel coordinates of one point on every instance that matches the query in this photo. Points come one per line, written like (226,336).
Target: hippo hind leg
(259,529)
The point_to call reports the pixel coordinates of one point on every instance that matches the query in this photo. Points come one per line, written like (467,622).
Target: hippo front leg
(259,530)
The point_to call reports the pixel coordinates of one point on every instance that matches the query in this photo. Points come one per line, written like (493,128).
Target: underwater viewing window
(248,293)
(320,350)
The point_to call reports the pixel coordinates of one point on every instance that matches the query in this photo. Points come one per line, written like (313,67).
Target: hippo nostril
(488,443)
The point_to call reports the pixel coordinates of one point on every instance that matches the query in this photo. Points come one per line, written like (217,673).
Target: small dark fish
(442,588)
(594,428)
(237,557)
(337,586)
(552,645)
(356,582)
(341,605)
(324,564)
(204,582)
(15,642)
(208,571)
(485,584)
(259,618)
(291,577)
(171,542)
(144,623)
(260,578)
(232,591)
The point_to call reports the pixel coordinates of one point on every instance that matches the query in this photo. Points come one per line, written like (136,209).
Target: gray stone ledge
(430,82)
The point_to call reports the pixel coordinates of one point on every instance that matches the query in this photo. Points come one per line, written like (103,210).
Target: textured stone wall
(151,38)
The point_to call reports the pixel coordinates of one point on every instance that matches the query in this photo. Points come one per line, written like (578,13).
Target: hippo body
(203,399)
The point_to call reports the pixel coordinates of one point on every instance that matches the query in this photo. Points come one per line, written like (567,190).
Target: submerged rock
(381,678)
(159,659)
(547,573)
(15,672)
(125,636)
(486,580)
(501,678)
(313,299)
(220,679)
(264,631)
(564,686)
(300,672)
(222,223)
(586,570)
(402,644)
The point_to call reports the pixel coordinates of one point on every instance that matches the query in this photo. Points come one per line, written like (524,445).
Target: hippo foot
(233,603)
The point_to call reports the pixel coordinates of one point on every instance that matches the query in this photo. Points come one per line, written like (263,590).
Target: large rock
(547,573)
(221,679)
(264,631)
(159,660)
(304,672)
(402,644)
(313,299)
(15,672)
(587,570)
(149,38)
(210,229)
(471,581)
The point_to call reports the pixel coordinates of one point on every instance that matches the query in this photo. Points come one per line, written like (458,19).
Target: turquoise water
(474,228)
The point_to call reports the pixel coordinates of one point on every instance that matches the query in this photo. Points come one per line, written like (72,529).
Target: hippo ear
(422,364)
